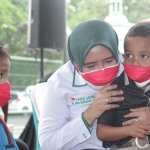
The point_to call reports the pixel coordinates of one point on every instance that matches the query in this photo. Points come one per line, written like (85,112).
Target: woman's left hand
(138,114)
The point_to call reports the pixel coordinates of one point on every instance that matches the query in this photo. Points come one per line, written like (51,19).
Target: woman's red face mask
(101,77)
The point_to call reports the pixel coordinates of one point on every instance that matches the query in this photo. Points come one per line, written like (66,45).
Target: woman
(75,95)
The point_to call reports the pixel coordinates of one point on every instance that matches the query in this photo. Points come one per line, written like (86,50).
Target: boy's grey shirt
(134,97)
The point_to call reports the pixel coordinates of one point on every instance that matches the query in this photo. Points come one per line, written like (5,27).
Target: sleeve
(56,130)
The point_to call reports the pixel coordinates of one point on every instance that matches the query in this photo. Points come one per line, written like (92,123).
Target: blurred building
(118,20)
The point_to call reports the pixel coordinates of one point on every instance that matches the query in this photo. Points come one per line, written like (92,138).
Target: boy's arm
(109,133)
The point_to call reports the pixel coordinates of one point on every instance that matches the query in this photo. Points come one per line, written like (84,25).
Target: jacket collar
(78,81)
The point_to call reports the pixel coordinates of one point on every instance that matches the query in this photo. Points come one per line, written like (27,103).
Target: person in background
(135,83)
(6,141)
(4,84)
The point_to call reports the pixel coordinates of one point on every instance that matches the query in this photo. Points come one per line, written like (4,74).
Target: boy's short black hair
(4,53)
(141,29)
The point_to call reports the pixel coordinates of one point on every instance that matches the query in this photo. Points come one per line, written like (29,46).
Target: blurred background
(32,59)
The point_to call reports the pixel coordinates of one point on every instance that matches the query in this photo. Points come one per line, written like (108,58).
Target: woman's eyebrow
(111,57)
(89,63)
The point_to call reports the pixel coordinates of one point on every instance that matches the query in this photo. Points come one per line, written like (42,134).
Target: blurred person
(5,72)
(6,141)
(4,84)
(135,83)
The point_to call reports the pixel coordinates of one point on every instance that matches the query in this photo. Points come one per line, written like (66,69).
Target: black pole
(64,55)
(42,64)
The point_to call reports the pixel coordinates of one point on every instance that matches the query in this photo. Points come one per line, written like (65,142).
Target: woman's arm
(109,133)
(56,130)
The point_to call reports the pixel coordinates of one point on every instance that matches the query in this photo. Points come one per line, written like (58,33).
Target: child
(6,139)
(4,85)
(135,83)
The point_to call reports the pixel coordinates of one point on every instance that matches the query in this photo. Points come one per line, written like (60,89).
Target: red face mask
(137,73)
(4,93)
(101,77)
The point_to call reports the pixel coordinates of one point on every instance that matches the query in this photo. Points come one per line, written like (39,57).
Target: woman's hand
(139,113)
(102,102)
(139,129)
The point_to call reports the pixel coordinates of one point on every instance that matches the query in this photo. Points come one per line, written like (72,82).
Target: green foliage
(13,21)
(82,10)
(136,10)
(14,17)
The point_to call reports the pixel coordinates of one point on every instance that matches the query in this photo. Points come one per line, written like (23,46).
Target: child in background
(135,83)
(4,84)
(6,139)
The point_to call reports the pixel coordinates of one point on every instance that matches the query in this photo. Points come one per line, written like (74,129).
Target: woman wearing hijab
(80,91)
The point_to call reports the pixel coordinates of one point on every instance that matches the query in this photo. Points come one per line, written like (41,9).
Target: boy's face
(137,51)
(4,69)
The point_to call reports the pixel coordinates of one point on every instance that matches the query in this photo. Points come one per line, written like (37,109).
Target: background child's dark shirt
(134,97)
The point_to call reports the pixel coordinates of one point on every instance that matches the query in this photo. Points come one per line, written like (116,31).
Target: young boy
(135,83)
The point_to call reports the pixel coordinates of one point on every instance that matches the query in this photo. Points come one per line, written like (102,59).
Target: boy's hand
(139,129)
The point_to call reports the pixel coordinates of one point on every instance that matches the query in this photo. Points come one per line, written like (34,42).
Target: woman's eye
(91,66)
(144,56)
(109,61)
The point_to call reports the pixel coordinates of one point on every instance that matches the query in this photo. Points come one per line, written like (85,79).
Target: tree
(14,18)
(136,10)
(13,21)
(81,10)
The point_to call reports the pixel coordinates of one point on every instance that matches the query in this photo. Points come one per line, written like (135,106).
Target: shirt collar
(126,79)
(147,88)
(78,81)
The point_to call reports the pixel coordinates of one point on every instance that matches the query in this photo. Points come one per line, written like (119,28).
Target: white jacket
(61,126)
